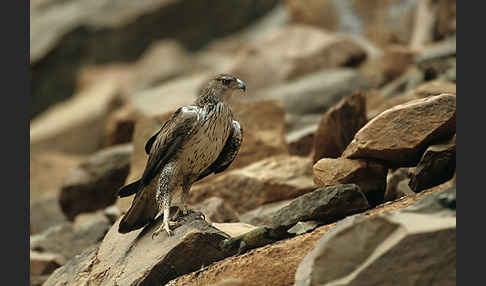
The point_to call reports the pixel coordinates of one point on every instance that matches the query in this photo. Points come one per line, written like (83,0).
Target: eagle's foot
(167,228)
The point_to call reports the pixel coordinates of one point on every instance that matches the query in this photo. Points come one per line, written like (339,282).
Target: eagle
(198,140)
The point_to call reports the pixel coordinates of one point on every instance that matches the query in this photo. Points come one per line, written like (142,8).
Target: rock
(255,238)
(338,126)
(301,141)
(47,171)
(400,134)
(68,240)
(397,184)
(216,210)
(291,52)
(135,258)
(229,282)
(442,203)
(44,263)
(66,125)
(94,184)
(263,215)
(304,226)
(316,92)
(64,39)
(120,126)
(45,212)
(377,248)
(234,229)
(264,136)
(326,205)
(368,175)
(75,269)
(410,79)
(112,213)
(388,22)
(38,280)
(269,180)
(436,166)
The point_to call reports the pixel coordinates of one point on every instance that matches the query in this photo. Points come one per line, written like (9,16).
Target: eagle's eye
(226,81)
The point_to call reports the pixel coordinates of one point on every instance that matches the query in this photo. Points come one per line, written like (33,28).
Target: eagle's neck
(208,98)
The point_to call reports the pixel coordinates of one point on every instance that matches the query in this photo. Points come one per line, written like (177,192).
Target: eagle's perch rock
(196,141)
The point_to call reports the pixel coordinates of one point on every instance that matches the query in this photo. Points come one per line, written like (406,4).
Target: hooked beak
(241,85)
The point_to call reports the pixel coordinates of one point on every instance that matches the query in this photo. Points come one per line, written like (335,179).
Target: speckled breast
(205,145)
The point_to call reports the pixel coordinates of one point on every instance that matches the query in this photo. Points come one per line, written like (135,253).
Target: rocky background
(346,175)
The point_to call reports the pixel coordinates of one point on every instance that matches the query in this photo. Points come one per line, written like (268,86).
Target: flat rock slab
(338,126)
(325,204)
(399,248)
(370,176)
(137,259)
(400,134)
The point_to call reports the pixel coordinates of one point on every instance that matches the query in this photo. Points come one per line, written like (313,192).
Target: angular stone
(338,126)
(234,229)
(216,210)
(301,141)
(269,180)
(316,92)
(65,126)
(436,166)
(370,176)
(44,263)
(325,205)
(400,134)
(94,184)
(137,259)
(373,251)
(291,52)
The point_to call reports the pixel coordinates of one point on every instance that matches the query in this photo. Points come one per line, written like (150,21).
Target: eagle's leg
(185,193)
(165,187)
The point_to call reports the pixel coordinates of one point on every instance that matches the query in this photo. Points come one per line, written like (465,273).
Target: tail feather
(142,212)
(129,189)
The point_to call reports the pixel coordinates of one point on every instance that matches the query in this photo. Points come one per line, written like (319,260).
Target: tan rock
(45,212)
(291,52)
(369,176)
(338,126)
(135,258)
(66,126)
(301,141)
(234,229)
(94,184)
(382,26)
(269,180)
(437,165)
(120,126)
(399,134)
(44,263)
(216,210)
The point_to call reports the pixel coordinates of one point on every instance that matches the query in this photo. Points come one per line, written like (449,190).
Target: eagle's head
(222,87)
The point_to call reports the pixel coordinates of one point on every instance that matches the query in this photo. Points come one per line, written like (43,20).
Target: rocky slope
(347,170)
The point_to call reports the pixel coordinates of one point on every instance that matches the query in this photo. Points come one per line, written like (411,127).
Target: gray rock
(393,249)
(94,184)
(443,203)
(397,184)
(69,240)
(437,165)
(325,205)
(318,91)
(263,214)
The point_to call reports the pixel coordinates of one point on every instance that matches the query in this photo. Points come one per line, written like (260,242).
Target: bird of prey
(198,140)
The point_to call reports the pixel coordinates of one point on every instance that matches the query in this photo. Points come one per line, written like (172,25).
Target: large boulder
(94,184)
(291,52)
(400,134)
(338,126)
(137,259)
(384,250)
